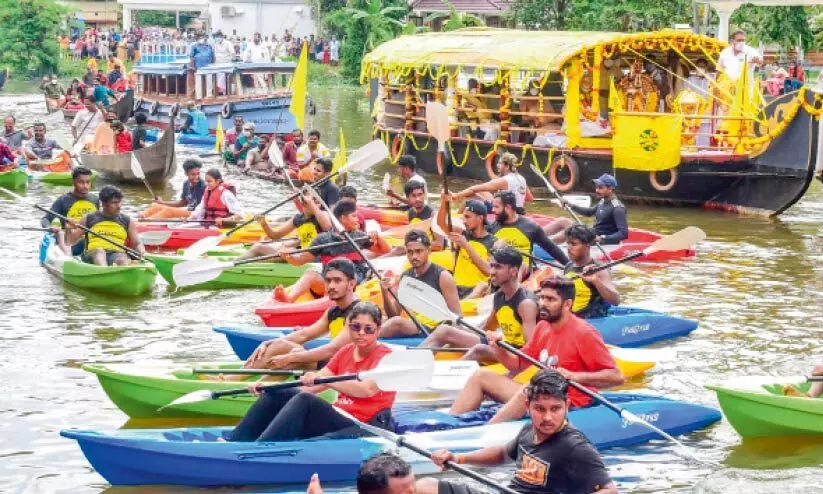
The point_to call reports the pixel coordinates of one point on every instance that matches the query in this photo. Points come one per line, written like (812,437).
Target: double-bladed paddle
(360,160)
(397,371)
(437,122)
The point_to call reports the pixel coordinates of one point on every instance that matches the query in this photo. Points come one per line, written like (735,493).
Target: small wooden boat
(122,107)
(4,74)
(158,162)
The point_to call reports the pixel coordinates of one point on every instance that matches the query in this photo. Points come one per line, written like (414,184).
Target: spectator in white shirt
(733,57)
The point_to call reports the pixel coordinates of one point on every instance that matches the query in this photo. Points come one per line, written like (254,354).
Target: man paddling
(193,189)
(74,205)
(595,292)
(520,232)
(41,147)
(407,168)
(560,339)
(418,250)
(550,455)
(474,244)
(514,311)
(418,212)
(509,180)
(329,191)
(610,222)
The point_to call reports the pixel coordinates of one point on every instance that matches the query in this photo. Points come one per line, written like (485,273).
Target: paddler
(74,205)
(329,191)
(86,120)
(196,122)
(595,292)
(610,222)
(514,311)
(550,454)
(509,179)
(474,244)
(219,202)
(311,281)
(308,153)
(12,137)
(308,224)
(418,212)
(292,414)
(407,168)
(520,232)
(418,250)
(560,339)
(815,390)
(112,224)
(194,189)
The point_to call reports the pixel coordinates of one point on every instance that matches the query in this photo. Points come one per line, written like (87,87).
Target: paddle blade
(13,194)
(579,201)
(136,169)
(367,156)
(437,121)
(387,182)
(683,239)
(53,118)
(62,140)
(275,155)
(198,271)
(193,397)
(202,246)
(423,299)
(154,238)
(402,371)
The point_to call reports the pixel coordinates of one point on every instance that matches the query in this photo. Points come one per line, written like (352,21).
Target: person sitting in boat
(551,455)
(193,190)
(595,292)
(8,160)
(418,249)
(138,133)
(418,212)
(311,281)
(815,391)
(74,205)
(610,219)
(509,179)
(76,93)
(292,414)
(244,143)
(329,191)
(101,93)
(116,80)
(407,167)
(12,137)
(86,122)
(41,147)
(308,224)
(349,194)
(471,106)
(230,139)
(290,153)
(112,224)
(308,153)
(561,339)
(196,122)
(474,245)
(258,158)
(122,138)
(53,90)
(219,202)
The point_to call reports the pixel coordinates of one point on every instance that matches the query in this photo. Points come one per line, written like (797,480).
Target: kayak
(756,407)
(131,280)
(57,178)
(14,179)
(183,237)
(196,139)
(256,274)
(244,341)
(204,456)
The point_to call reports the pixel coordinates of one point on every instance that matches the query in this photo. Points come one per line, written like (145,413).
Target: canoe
(157,161)
(57,178)
(258,274)
(131,280)
(203,457)
(122,107)
(14,179)
(244,341)
(56,171)
(756,407)
(183,236)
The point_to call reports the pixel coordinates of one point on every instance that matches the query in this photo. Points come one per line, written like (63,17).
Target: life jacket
(115,229)
(466,274)
(508,317)
(337,318)
(587,300)
(213,201)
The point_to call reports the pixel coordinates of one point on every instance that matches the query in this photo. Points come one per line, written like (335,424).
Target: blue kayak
(624,326)
(201,457)
(188,139)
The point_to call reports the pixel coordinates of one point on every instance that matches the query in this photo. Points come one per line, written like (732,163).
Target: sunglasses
(357,327)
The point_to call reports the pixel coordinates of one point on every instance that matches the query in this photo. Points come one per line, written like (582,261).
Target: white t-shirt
(517,184)
(303,152)
(86,123)
(228,199)
(732,63)
(223,51)
(256,53)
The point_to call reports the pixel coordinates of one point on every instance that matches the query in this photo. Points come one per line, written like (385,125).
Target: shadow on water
(777,453)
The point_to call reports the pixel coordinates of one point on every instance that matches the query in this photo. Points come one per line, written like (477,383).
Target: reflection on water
(754,287)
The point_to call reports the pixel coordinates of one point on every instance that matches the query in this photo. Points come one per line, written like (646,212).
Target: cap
(476,207)
(606,180)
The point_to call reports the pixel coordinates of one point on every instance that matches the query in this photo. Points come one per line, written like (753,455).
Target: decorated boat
(640,106)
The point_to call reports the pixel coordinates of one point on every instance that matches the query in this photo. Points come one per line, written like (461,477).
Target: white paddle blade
(452,375)
(154,238)
(683,239)
(372,226)
(275,155)
(419,297)
(62,140)
(198,271)
(402,371)
(367,156)
(387,182)
(193,397)
(437,121)
(202,246)
(642,354)
(13,194)
(136,169)
(579,201)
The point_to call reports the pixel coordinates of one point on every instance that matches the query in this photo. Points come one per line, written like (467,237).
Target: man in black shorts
(552,456)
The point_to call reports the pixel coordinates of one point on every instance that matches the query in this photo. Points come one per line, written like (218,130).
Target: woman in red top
(122,139)
(290,414)
(796,78)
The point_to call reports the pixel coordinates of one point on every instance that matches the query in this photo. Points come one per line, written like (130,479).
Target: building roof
(465,6)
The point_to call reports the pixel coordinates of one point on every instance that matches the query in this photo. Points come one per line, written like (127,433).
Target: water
(753,286)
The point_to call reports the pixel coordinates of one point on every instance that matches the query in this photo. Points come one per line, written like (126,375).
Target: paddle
(198,271)
(404,442)
(25,228)
(564,205)
(267,372)
(397,371)
(429,302)
(814,379)
(360,160)
(137,171)
(437,122)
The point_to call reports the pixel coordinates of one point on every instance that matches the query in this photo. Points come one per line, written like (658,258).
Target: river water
(754,287)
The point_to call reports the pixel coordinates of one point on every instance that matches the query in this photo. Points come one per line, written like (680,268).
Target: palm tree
(456,20)
(379,24)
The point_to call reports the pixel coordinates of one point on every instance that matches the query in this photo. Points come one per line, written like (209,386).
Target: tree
(601,15)
(541,14)
(163,18)
(455,20)
(784,26)
(29,40)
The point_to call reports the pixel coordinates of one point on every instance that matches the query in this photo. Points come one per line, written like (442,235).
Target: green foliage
(412,28)
(162,18)
(601,15)
(780,25)
(542,14)
(455,20)
(28,43)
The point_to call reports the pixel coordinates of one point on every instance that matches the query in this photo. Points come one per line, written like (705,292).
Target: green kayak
(756,407)
(14,179)
(57,178)
(258,274)
(140,390)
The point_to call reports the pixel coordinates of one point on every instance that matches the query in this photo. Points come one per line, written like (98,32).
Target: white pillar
(177,18)
(724,10)
(126,18)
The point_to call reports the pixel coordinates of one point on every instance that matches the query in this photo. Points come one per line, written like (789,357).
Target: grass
(69,68)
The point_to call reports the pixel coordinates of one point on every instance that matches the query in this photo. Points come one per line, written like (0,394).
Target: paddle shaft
(128,250)
(286,385)
(251,372)
(814,379)
(543,261)
(296,251)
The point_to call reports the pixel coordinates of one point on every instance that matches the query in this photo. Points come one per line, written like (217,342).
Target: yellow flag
(218,136)
(340,157)
(298,88)
(646,143)
(615,104)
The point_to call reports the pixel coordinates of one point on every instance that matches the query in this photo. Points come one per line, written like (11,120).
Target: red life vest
(213,202)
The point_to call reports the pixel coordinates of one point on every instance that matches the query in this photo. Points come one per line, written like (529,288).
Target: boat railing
(155,52)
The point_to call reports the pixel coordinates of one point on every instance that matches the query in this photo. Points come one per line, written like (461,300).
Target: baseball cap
(476,207)
(607,180)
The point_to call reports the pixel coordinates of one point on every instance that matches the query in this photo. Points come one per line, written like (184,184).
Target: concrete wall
(267,17)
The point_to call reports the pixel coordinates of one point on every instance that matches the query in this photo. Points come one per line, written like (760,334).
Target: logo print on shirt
(532,471)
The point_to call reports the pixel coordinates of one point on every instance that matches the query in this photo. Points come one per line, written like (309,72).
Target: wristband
(460,459)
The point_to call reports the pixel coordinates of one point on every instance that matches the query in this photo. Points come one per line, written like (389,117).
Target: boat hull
(14,179)
(261,274)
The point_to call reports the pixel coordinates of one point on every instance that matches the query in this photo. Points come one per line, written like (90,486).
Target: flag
(218,136)
(340,157)
(298,88)
(647,143)
(615,104)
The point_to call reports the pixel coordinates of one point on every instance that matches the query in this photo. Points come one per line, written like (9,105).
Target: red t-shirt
(578,348)
(123,142)
(290,155)
(363,409)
